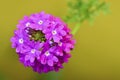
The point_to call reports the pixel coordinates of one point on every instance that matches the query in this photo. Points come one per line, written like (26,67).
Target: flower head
(43,42)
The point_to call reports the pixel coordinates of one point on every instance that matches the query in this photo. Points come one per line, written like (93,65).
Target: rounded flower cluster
(42,42)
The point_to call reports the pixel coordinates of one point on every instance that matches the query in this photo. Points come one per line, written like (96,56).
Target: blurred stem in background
(78,12)
(49,76)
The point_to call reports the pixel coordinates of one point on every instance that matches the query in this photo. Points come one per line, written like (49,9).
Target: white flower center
(54,32)
(60,44)
(47,53)
(40,22)
(27,24)
(33,51)
(21,41)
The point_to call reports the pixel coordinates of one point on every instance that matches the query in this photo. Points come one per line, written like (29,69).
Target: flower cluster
(42,42)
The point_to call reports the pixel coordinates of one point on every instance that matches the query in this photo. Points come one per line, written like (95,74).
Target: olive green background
(97,52)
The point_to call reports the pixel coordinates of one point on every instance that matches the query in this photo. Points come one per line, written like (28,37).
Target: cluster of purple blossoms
(43,42)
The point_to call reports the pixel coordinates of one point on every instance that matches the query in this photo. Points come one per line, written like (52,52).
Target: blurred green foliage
(2,77)
(49,76)
(81,10)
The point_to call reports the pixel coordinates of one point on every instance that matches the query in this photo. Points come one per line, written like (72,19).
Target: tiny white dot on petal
(54,32)
(21,41)
(47,53)
(27,24)
(40,22)
(60,44)
(33,51)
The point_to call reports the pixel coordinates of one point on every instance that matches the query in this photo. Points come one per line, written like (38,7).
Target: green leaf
(81,10)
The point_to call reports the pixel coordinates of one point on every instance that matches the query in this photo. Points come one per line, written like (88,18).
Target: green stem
(75,30)
(50,76)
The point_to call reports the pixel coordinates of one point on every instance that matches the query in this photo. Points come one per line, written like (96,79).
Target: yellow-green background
(97,52)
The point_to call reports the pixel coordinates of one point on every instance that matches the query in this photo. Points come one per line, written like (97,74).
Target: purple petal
(61,27)
(27,57)
(48,35)
(50,62)
(39,45)
(43,59)
(55,59)
(32,59)
(56,39)
(17,49)
(62,32)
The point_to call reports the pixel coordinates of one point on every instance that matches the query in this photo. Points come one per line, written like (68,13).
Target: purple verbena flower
(43,42)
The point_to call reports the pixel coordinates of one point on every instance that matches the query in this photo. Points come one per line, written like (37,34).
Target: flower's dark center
(36,35)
